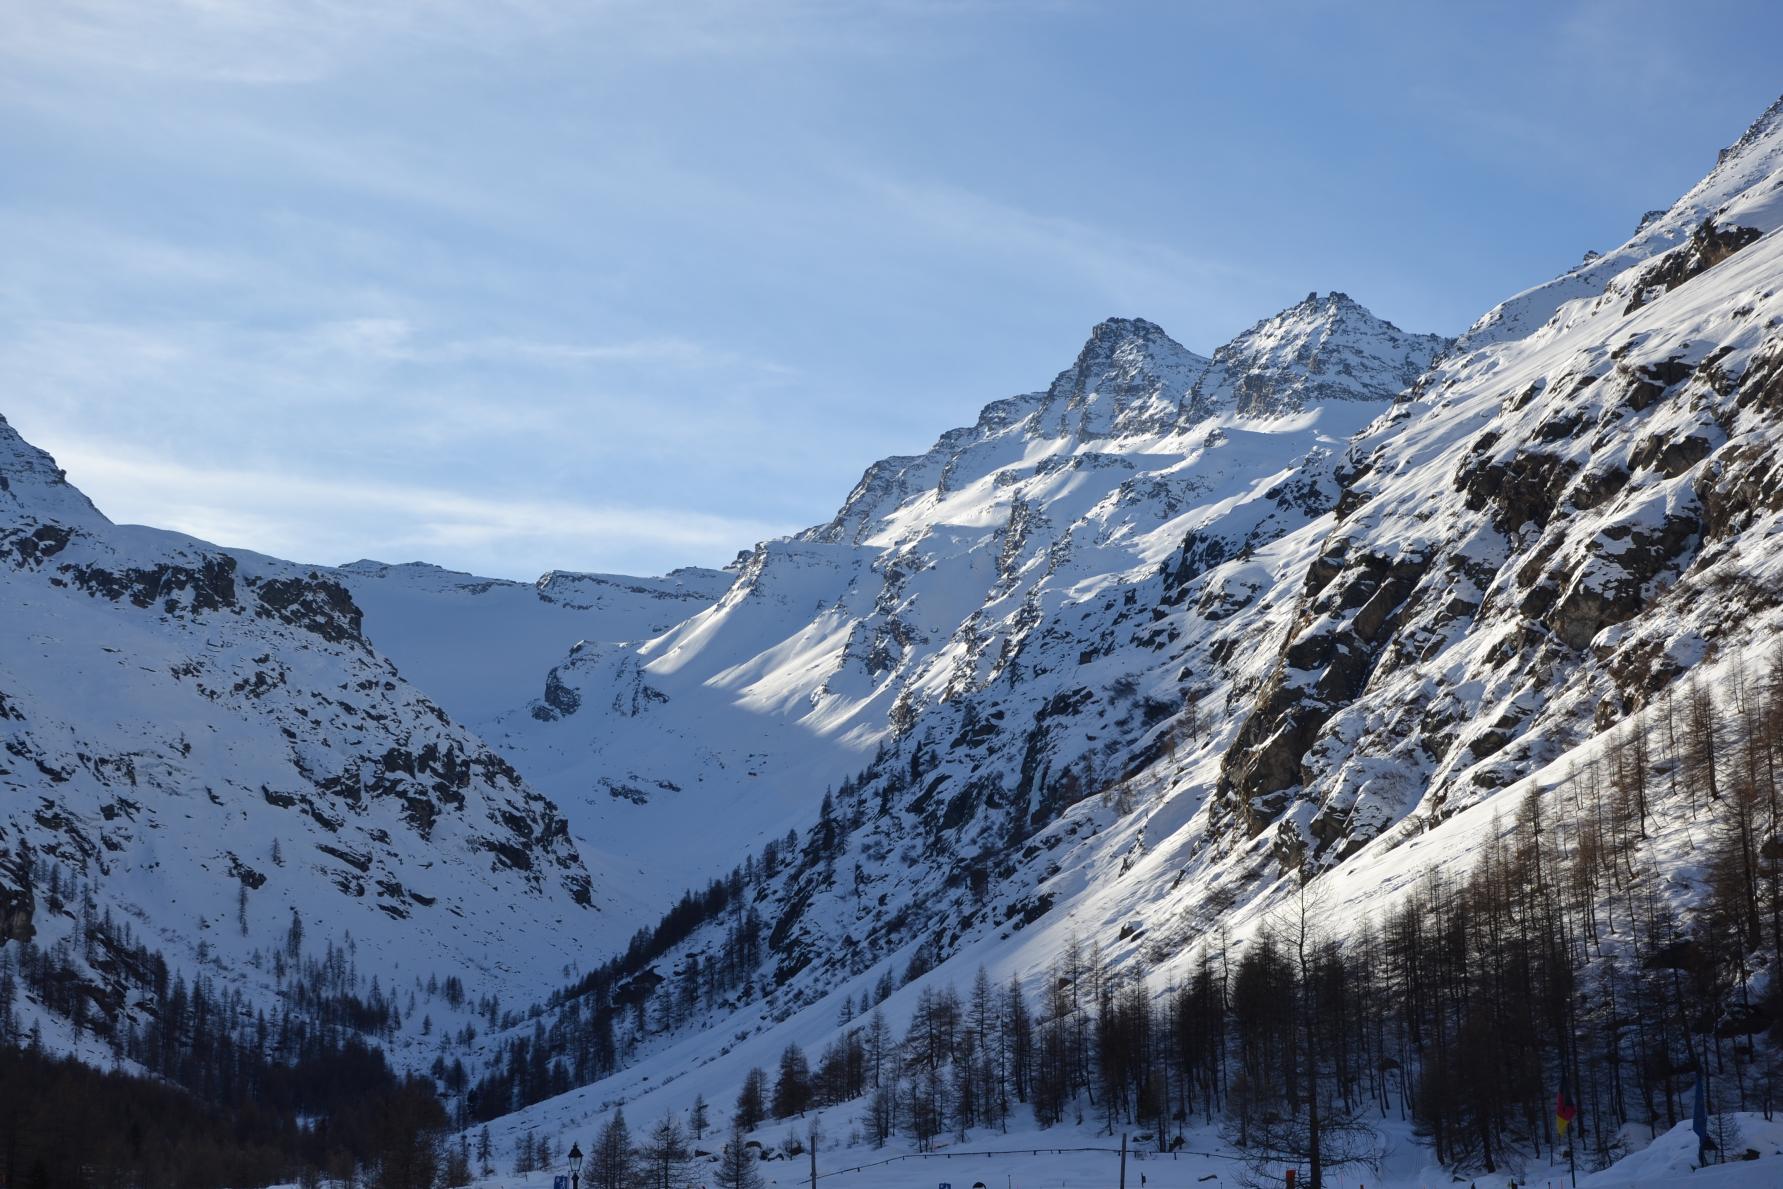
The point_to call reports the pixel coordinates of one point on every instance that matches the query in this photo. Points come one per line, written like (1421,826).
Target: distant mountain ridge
(206,734)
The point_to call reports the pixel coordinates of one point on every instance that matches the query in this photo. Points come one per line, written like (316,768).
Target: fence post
(1123,1160)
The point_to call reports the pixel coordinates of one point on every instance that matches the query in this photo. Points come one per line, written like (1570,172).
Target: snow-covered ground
(1087,1157)
(482,646)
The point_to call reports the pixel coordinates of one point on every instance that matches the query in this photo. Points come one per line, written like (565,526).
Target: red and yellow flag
(1564,1109)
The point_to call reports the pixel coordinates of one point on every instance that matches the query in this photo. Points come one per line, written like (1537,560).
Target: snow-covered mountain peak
(208,735)
(1766,128)
(1132,385)
(1124,347)
(32,485)
(1129,377)
(1322,348)
(1095,683)
(1340,660)
(1742,196)
(982,562)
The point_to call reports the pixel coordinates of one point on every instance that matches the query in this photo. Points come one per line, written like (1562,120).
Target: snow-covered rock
(208,740)
(478,645)
(931,580)
(1324,349)
(1741,191)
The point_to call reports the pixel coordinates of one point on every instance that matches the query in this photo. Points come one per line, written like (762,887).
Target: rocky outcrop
(17,904)
(1323,349)
(1708,246)
(1352,605)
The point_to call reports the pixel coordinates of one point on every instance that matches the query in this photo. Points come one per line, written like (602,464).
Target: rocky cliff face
(1543,538)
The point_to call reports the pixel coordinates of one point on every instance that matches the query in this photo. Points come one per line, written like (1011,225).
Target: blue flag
(1699,1121)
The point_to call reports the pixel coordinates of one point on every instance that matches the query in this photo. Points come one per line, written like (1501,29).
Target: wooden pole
(1123,1161)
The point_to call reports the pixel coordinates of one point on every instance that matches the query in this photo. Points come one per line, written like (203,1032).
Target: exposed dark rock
(321,606)
(1740,483)
(1761,388)
(1708,246)
(249,877)
(1522,489)
(358,861)
(31,549)
(212,585)
(1343,621)
(1671,457)
(17,904)
(1612,584)
(1597,486)
(560,697)
(1197,554)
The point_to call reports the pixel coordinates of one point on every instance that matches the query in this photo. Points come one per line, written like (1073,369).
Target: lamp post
(575,1166)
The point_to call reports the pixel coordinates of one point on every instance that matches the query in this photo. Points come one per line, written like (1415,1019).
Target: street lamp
(575,1166)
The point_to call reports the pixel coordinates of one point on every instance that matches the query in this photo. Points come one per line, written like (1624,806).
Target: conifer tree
(751,1099)
(737,1164)
(697,1117)
(665,1155)
(611,1164)
(792,1088)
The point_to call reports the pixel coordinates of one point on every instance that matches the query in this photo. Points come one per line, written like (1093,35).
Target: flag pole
(1566,1112)
(1573,1132)
(1572,1147)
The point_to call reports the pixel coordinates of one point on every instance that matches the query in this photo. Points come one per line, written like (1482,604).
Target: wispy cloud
(272,42)
(382,436)
(715,253)
(397,340)
(286,42)
(295,513)
(1108,260)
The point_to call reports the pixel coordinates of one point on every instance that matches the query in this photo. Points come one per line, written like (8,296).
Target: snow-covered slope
(1348,663)
(207,739)
(929,582)
(1741,191)
(1532,541)
(479,645)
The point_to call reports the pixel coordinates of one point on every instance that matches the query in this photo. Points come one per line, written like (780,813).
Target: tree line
(219,1092)
(1577,946)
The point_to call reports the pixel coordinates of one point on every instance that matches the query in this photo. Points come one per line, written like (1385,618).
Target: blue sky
(623,285)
